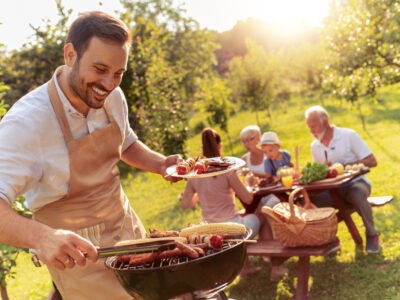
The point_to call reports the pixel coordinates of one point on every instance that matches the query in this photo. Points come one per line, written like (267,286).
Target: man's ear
(70,54)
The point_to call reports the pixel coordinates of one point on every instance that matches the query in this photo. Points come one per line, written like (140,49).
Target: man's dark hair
(96,24)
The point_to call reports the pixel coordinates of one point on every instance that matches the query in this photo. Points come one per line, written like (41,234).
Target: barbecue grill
(202,277)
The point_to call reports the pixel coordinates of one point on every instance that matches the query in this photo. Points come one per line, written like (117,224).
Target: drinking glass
(287,180)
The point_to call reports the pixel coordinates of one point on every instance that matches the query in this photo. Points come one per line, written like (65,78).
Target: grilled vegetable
(185,166)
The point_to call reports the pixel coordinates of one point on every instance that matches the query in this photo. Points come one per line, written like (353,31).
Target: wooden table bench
(278,254)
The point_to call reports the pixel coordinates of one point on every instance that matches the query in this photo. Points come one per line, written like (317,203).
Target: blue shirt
(276,163)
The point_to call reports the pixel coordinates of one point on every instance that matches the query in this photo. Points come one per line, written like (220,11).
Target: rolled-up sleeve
(18,157)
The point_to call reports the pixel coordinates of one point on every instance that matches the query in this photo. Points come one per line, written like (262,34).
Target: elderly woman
(255,156)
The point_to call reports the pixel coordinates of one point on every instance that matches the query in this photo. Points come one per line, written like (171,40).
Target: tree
(30,67)
(169,54)
(252,79)
(213,101)
(362,38)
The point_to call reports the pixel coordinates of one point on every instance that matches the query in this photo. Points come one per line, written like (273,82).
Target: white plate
(237,163)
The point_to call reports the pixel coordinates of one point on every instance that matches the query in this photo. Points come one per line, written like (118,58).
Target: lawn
(351,273)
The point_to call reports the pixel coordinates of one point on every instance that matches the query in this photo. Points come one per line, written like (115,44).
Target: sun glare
(289,14)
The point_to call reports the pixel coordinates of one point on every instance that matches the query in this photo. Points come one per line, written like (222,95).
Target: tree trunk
(4,295)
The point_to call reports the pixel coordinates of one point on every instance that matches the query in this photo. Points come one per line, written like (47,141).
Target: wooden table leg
(303,273)
(346,216)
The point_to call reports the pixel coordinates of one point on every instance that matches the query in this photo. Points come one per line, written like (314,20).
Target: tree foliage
(169,53)
(33,65)
(362,46)
(253,78)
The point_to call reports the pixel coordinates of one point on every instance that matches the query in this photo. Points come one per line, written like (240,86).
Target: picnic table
(332,185)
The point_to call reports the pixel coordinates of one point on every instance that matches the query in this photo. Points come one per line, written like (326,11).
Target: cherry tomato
(181,169)
(216,241)
(199,168)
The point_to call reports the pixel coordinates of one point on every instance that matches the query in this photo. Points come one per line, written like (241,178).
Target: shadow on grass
(330,278)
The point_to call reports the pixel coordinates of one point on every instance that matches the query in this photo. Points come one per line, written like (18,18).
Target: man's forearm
(17,230)
(140,156)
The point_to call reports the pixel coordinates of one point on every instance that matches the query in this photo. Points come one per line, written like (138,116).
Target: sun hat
(270,138)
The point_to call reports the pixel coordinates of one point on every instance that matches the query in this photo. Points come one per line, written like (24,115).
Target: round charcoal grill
(203,277)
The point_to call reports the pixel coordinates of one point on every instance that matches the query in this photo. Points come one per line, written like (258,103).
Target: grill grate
(171,261)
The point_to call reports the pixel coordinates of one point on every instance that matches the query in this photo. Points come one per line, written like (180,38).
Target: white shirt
(345,147)
(33,152)
(255,168)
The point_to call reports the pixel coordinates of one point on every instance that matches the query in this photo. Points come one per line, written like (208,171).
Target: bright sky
(220,15)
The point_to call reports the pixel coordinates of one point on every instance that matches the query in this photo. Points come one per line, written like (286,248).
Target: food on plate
(338,167)
(267,182)
(223,229)
(313,171)
(186,166)
(201,166)
(332,173)
(355,167)
(219,162)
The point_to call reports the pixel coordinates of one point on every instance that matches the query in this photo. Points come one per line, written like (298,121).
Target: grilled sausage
(186,249)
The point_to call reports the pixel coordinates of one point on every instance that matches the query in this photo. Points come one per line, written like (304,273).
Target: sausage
(154,233)
(170,253)
(142,258)
(198,250)
(186,249)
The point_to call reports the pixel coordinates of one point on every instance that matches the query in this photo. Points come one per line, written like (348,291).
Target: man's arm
(140,156)
(369,161)
(53,247)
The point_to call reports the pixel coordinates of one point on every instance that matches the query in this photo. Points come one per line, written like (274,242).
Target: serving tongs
(136,248)
(129,248)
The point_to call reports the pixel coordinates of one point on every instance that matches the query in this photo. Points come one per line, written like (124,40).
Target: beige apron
(95,207)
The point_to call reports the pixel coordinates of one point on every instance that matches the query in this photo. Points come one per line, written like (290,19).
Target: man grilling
(60,145)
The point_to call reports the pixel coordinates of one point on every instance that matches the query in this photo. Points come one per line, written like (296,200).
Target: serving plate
(236,164)
(340,177)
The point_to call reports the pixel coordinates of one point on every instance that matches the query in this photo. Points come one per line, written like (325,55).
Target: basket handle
(292,195)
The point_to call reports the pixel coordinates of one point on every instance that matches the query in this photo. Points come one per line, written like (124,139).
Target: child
(276,158)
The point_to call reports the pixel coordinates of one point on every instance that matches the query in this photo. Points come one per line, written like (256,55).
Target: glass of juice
(287,180)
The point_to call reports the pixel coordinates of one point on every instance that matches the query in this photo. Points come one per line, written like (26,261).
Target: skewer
(240,240)
(167,175)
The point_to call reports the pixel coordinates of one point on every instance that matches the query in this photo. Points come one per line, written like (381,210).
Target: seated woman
(216,197)
(255,156)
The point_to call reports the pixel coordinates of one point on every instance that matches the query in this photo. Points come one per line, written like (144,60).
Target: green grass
(351,274)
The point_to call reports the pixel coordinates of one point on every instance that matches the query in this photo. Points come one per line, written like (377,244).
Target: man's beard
(77,85)
(320,136)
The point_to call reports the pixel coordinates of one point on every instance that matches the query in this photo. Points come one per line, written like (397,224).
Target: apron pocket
(92,233)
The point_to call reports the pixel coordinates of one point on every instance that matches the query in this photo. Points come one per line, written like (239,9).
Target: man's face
(98,72)
(271,150)
(316,126)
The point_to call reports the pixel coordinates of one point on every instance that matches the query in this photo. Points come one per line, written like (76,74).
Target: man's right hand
(64,249)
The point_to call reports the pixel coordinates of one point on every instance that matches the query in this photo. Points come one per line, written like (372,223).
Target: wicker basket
(296,226)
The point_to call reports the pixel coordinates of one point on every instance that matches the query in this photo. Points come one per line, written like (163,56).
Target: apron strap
(59,110)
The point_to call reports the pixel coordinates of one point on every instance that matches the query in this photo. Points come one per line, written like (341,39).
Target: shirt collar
(64,100)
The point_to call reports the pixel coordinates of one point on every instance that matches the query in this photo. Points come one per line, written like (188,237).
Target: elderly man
(334,144)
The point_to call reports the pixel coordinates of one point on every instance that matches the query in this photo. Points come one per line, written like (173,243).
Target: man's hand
(169,161)
(64,249)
